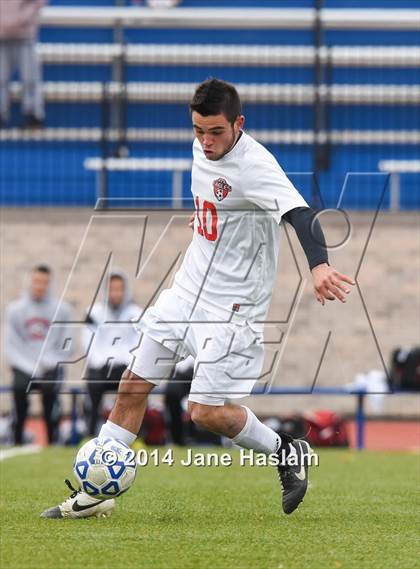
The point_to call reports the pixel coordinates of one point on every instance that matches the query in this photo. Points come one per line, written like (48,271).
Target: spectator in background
(18,35)
(28,320)
(107,339)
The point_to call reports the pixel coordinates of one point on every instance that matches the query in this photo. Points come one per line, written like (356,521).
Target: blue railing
(360,415)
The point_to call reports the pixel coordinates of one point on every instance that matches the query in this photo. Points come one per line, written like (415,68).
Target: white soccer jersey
(230,265)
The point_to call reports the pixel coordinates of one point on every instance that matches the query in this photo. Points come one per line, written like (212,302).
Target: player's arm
(328,282)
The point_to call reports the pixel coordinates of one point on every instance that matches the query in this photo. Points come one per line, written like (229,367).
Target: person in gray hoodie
(33,360)
(18,35)
(107,339)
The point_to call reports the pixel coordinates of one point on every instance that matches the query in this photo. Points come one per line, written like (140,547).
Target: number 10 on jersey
(208,209)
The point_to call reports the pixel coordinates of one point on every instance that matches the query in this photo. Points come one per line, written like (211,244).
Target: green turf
(361,512)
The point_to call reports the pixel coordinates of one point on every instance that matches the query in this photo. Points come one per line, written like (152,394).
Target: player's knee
(202,415)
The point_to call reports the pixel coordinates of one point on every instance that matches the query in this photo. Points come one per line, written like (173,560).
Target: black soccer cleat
(293,471)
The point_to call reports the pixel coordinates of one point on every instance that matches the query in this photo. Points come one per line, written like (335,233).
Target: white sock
(113,431)
(257,436)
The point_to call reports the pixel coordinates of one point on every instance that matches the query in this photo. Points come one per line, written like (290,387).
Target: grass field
(362,511)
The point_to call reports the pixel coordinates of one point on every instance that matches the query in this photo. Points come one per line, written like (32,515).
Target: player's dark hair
(216,97)
(42,269)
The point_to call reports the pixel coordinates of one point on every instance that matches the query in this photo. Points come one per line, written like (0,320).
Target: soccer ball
(105,468)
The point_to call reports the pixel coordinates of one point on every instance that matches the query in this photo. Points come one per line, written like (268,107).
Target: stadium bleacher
(105,97)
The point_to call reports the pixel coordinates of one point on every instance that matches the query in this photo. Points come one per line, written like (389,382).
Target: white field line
(18,451)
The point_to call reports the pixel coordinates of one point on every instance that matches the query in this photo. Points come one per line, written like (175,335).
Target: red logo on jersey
(37,328)
(221,189)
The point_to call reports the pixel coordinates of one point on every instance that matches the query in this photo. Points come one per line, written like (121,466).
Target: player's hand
(191,221)
(329,284)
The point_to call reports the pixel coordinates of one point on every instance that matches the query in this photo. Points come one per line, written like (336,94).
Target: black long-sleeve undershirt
(310,234)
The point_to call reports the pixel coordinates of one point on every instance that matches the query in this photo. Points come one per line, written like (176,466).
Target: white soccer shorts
(228,356)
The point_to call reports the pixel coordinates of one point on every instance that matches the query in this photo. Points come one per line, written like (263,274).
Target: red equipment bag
(153,429)
(325,428)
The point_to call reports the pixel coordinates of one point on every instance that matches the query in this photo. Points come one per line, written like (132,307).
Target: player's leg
(241,425)
(237,423)
(232,376)
(152,363)
(221,375)
(127,415)
(123,424)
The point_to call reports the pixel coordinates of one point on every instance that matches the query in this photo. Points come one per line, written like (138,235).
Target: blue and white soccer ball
(105,468)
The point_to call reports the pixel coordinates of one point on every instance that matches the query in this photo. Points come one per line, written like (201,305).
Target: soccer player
(220,296)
